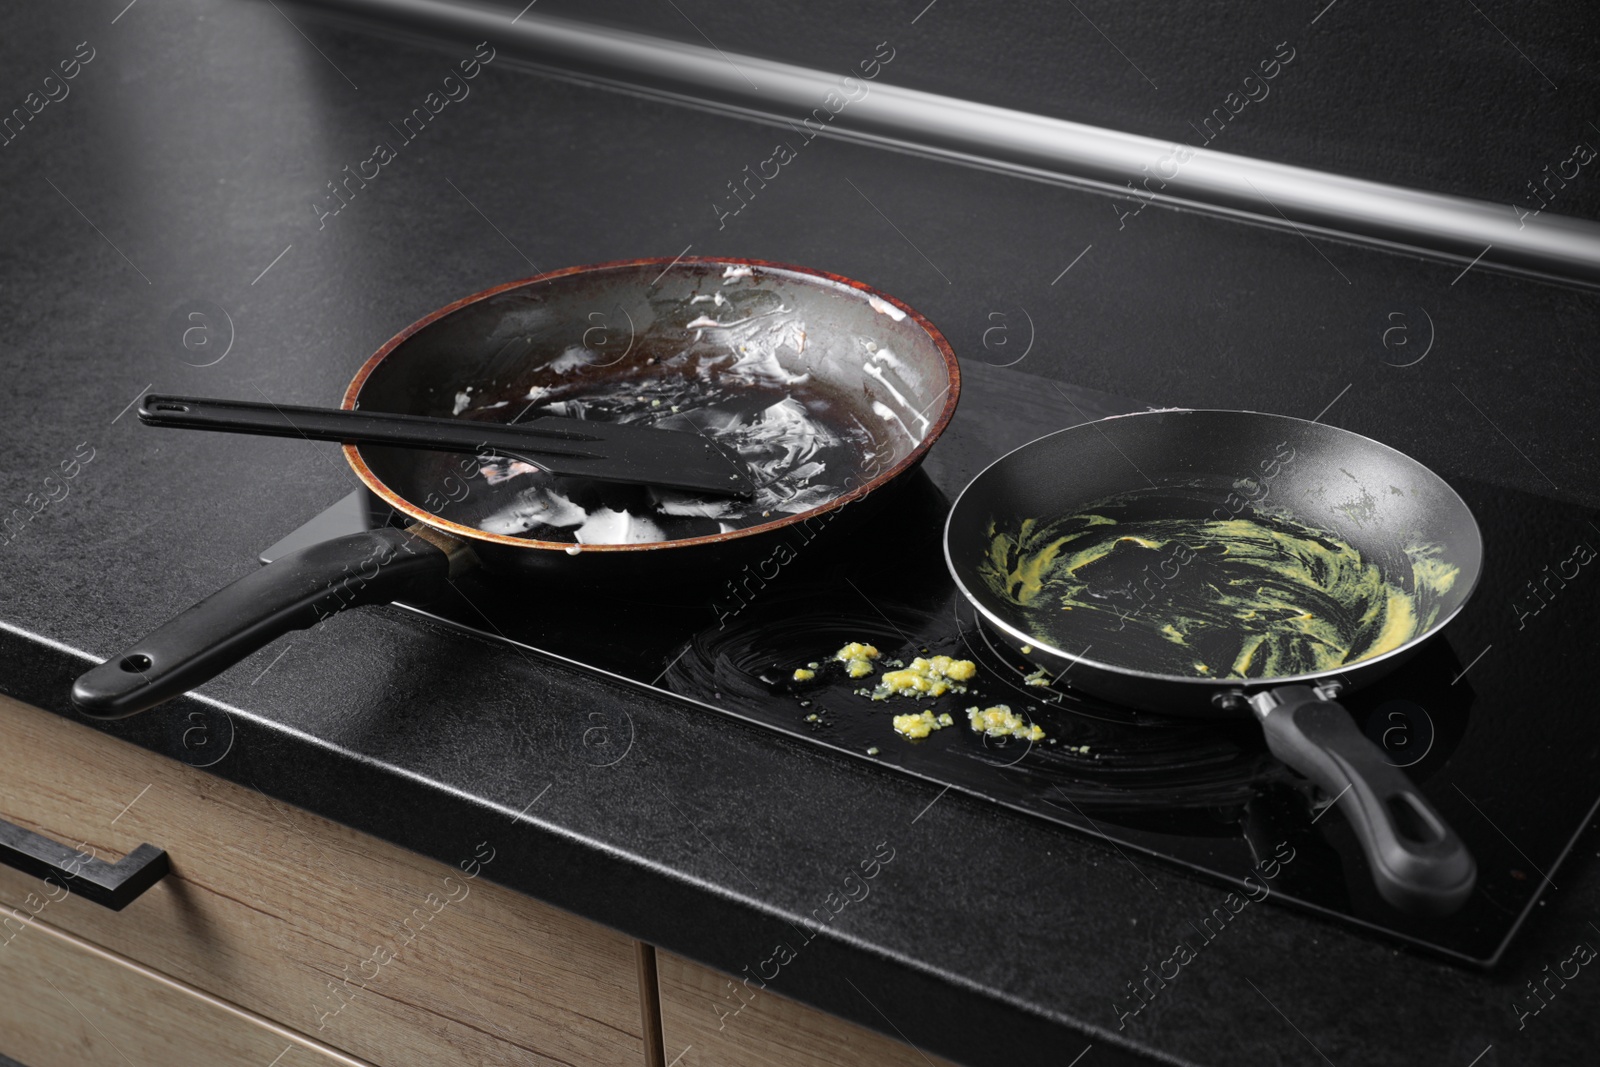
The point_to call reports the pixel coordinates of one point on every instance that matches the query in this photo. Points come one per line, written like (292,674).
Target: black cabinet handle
(114,885)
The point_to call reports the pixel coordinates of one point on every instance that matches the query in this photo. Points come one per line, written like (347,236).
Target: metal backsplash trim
(1031,145)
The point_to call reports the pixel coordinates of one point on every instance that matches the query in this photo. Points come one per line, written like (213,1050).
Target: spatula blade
(644,455)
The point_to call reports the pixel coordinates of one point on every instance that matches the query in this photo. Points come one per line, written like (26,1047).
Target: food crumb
(1038,677)
(802,674)
(921,725)
(857,658)
(926,677)
(1001,721)
(873,751)
(1027,649)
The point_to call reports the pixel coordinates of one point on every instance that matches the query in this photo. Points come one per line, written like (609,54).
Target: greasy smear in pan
(1253,596)
(801,443)
(730,365)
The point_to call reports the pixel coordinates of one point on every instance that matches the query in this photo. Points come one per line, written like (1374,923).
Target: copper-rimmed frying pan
(828,388)
(1219,563)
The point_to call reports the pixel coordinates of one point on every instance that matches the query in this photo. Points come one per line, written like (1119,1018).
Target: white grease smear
(608,527)
(567,409)
(883,307)
(764,367)
(892,361)
(671,502)
(887,384)
(884,412)
(495,473)
(736,272)
(535,506)
(755,341)
(705,321)
(576,357)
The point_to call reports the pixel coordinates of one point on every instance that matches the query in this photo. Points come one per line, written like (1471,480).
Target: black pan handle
(293,592)
(1418,862)
(113,885)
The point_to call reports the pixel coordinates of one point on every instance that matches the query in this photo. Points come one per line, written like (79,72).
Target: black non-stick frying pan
(828,389)
(1219,563)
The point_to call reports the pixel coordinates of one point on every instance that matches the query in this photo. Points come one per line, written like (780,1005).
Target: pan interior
(819,387)
(1215,545)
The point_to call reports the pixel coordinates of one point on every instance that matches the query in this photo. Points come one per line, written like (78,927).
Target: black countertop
(186,162)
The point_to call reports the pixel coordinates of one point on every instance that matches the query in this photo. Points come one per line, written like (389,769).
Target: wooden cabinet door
(767,1031)
(388,956)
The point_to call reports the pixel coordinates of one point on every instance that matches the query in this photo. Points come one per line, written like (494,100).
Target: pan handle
(1419,864)
(293,592)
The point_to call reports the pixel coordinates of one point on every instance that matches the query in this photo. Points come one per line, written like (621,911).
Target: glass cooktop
(1489,720)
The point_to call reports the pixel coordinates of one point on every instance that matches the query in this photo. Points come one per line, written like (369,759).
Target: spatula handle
(607,451)
(367,427)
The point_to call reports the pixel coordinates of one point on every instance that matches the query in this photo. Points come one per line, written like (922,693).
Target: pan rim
(1217,685)
(936,428)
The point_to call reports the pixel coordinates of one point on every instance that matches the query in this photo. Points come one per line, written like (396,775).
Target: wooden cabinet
(768,1031)
(385,955)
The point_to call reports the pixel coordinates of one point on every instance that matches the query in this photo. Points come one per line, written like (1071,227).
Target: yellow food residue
(1255,595)
(1025,560)
(857,658)
(1038,677)
(921,725)
(801,674)
(1001,721)
(931,677)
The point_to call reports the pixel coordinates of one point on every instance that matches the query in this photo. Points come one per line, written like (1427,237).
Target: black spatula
(606,451)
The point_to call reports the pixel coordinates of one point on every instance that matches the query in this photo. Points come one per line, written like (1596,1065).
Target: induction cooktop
(1487,719)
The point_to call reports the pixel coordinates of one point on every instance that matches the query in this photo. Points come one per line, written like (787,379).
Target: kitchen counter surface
(182,172)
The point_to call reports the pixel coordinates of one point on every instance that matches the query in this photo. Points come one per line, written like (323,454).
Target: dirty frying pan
(1223,563)
(827,390)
